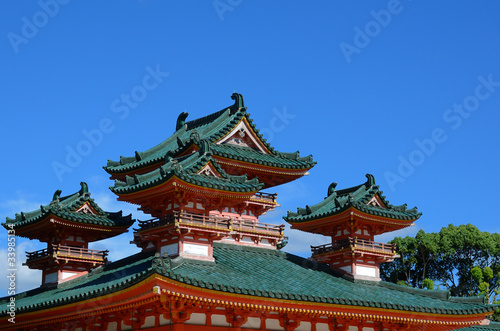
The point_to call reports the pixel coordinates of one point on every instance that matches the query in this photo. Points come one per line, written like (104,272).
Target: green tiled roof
(110,278)
(357,197)
(64,207)
(186,168)
(250,271)
(280,160)
(211,128)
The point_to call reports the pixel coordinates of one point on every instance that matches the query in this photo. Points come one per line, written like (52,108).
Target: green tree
(460,258)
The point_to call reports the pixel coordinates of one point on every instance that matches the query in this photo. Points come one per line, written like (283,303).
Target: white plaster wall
(366,271)
(273,324)
(112,326)
(322,327)
(164,321)
(197,319)
(149,322)
(304,326)
(219,320)
(196,249)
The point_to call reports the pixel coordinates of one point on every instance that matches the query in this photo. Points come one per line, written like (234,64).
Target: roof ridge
(237,106)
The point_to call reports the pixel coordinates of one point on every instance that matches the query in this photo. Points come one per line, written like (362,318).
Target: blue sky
(408,91)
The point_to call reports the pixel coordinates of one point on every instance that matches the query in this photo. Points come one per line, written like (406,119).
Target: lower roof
(249,271)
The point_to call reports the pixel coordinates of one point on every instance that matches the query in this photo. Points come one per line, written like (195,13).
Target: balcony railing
(67,252)
(212,222)
(270,197)
(355,244)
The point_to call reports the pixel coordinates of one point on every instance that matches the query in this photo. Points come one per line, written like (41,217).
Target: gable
(86,208)
(243,135)
(209,170)
(375,201)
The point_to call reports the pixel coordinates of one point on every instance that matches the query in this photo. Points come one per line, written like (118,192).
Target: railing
(241,225)
(212,222)
(271,197)
(68,251)
(354,244)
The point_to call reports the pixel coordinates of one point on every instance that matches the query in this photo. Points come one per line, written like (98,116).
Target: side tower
(352,217)
(67,225)
(202,184)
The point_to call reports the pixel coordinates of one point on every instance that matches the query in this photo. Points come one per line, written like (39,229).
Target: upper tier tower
(203,184)
(352,217)
(67,225)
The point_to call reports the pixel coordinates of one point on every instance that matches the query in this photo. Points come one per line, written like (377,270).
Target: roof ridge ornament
(238,101)
(56,196)
(370,180)
(84,188)
(331,188)
(181,120)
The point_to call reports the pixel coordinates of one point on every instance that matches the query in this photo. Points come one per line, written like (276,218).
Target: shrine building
(206,262)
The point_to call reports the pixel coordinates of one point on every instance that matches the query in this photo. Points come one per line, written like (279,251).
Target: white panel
(273,324)
(68,274)
(265,242)
(70,238)
(164,321)
(112,326)
(171,249)
(304,326)
(247,239)
(366,271)
(199,206)
(219,320)
(149,322)
(49,278)
(79,239)
(196,249)
(252,323)
(126,327)
(197,319)
(190,204)
(322,327)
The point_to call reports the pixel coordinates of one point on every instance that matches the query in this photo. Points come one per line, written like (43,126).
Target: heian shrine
(207,262)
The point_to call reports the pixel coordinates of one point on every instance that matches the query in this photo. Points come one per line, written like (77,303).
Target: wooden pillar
(263,321)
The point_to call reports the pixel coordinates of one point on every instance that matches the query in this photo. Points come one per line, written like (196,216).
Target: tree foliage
(459,258)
